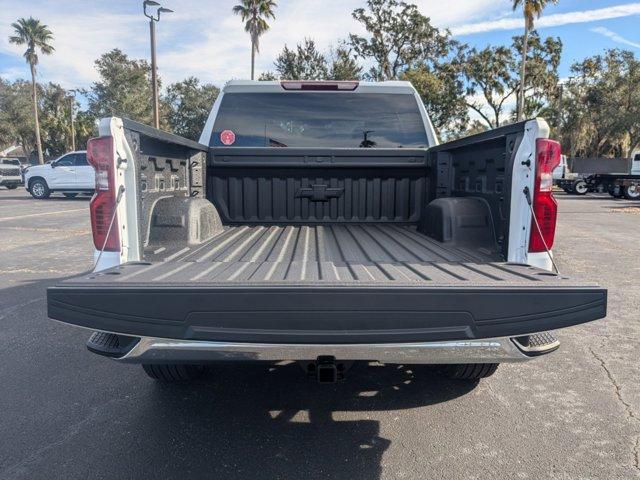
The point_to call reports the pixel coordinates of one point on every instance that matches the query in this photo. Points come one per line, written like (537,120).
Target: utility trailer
(618,177)
(322,222)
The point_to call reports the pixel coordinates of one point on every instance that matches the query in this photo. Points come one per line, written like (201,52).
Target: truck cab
(635,163)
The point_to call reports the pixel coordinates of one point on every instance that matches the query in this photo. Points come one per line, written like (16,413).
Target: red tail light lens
(545,207)
(103,203)
(348,85)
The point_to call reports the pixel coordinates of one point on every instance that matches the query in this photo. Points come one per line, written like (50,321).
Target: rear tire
(39,189)
(70,195)
(631,192)
(471,371)
(173,372)
(580,187)
(12,187)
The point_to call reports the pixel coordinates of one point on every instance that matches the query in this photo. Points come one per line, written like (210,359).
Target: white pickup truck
(322,222)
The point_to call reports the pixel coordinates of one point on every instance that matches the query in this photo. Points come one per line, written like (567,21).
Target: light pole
(73,130)
(154,68)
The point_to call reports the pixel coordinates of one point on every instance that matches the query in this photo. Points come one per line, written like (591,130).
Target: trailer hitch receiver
(326,370)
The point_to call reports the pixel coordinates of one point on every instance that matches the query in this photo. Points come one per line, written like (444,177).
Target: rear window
(319,120)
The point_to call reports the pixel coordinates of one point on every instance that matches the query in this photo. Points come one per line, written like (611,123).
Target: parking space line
(58,212)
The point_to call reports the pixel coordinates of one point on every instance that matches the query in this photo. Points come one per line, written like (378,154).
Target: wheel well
(33,179)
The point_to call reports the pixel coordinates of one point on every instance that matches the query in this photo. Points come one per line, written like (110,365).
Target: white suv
(10,176)
(70,174)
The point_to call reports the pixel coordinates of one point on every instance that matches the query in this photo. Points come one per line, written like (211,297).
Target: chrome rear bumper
(162,350)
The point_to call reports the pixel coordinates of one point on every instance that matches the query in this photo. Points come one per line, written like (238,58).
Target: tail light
(348,85)
(545,207)
(103,203)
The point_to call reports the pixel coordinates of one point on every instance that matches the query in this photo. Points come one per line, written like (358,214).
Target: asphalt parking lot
(65,413)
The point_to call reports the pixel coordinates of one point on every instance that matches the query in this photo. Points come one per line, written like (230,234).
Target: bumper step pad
(110,344)
(538,343)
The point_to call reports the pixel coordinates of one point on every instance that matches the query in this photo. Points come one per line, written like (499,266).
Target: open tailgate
(301,297)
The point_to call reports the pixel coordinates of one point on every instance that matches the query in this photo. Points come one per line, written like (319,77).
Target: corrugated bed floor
(326,254)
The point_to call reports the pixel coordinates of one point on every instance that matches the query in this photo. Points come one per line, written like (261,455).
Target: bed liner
(322,255)
(325,284)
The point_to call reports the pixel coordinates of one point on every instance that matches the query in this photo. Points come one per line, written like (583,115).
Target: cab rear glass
(319,120)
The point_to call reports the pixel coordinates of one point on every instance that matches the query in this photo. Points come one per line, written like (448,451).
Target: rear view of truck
(321,222)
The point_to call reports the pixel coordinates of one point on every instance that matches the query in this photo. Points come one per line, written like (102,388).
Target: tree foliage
(255,14)
(600,106)
(440,89)
(399,37)
(304,62)
(493,79)
(16,122)
(188,104)
(56,119)
(36,36)
(16,117)
(124,88)
(343,65)
(531,9)
(267,77)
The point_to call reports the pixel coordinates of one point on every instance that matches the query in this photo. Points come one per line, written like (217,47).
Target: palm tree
(35,35)
(255,14)
(532,9)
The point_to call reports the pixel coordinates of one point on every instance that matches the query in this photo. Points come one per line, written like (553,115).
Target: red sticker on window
(227,137)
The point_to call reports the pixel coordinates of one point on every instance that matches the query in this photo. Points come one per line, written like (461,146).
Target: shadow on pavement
(269,421)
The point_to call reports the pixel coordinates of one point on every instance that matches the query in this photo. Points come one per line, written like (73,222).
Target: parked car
(70,174)
(322,222)
(10,173)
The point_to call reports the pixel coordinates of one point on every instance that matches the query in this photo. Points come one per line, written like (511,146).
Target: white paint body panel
(106,260)
(524,176)
(635,163)
(124,165)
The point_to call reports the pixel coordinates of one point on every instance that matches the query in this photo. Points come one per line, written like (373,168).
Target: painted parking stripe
(58,212)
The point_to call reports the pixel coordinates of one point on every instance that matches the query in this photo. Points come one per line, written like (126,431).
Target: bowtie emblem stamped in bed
(319,192)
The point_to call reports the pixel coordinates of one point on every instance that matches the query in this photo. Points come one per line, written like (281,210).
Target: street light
(154,68)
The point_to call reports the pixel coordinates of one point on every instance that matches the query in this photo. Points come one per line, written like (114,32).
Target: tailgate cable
(527,195)
(113,217)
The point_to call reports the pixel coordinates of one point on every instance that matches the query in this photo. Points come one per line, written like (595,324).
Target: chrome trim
(163,350)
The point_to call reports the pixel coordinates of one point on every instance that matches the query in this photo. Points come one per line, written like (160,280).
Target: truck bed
(370,283)
(321,255)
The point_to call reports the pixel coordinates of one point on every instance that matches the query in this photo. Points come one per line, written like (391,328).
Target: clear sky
(203,37)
